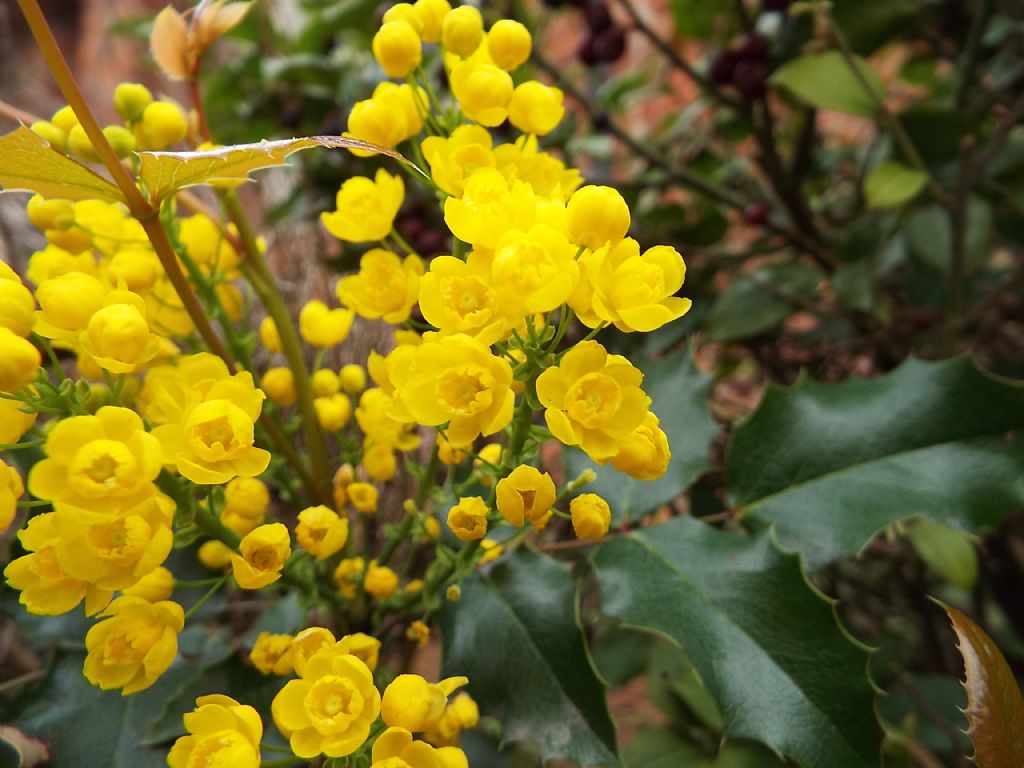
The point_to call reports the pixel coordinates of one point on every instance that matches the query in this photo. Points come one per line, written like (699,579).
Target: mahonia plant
(155,439)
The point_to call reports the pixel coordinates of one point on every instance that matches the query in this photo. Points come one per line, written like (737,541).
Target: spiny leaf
(995,707)
(28,162)
(164,173)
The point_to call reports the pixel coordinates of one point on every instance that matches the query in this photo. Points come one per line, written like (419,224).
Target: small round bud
(57,138)
(462,30)
(19,361)
(65,119)
(80,146)
(279,386)
(432,14)
(50,214)
(325,382)
(121,140)
(509,44)
(163,124)
(597,215)
(269,336)
(353,378)
(131,100)
(751,79)
(453,593)
(397,48)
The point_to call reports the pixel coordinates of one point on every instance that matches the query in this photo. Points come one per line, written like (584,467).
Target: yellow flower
(272,654)
(395,748)
(454,379)
(454,159)
(92,460)
(393,114)
(490,206)
(325,382)
(206,244)
(450,454)
(380,428)
(308,642)
(262,555)
(379,461)
(509,44)
(246,497)
(536,108)
(269,336)
(432,14)
(320,531)
(385,286)
(596,216)
(11,489)
(323,327)
(536,267)
(348,574)
(221,732)
(353,378)
(462,30)
(330,709)
(50,214)
(644,454)
(363,647)
(380,581)
(452,757)
(279,385)
(115,545)
(403,12)
(397,48)
(483,91)
(333,412)
(52,262)
(14,422)
(155,586)
(366,208)
(19,361)
(525,495)
(215,555)
(592,399)
(457,297)
(418,632)
(134,644)
(363,496)
(635,291)
(137,270)
(412,703)
(462,713)
(17,307)
(117,336)
(487,463)
(491,550)
(591,516)
(212,441)
(468,519)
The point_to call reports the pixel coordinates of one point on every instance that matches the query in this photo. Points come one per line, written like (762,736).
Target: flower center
(333,703)
(593,399)
(103,468)
(465,389)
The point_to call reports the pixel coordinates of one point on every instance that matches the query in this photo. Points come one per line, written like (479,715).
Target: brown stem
(16,115)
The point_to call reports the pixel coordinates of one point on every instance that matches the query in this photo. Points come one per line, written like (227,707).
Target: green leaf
(825,80)
(949,553)
(513,633)
(930,240)
(661,747)
(831,465)
(995,707)
(758,301)
(679,391)
(766,646)
(704,19)
(892,184)
(164,173)
(28,162)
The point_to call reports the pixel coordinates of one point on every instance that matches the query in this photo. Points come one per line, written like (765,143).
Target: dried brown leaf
(169,43)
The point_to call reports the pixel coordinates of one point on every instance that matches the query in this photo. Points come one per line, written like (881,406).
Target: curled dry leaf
(178,45)
(213,20)
(169,44)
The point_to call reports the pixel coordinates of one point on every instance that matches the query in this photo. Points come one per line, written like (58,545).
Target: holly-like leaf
(679,394)
(995,706)
(164,173)
(513,633)
(831,465)
(766,646)
(825,80)
(28,162)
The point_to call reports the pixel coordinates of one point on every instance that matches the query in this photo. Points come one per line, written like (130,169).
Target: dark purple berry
(753,48)
(597,15)
(610,44)
(430,242)
(722,67)
(751,79)
(756,214)
(768,6)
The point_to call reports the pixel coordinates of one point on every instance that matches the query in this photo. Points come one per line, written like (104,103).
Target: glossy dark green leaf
(679,391)
(868,24)
(661,747)
(831,465)
(513,632)
(758,301)
(930,241)
(995,706)
(766,646)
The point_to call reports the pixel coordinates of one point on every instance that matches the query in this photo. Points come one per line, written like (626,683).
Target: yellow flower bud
(121,140)
(279,385)
(118,337)
(214,554)
(397,48)
(431,529)
(362,646)
(137,270)
(14,422)
(363,497)
(74,240)
(57,138)
(17,307)
(453,757)
(453,593)
(65,119)
(269,336)
(320,531)
(308,642)
(379,462)
(509,44)
(163,124)
(263,553)
(536,108)
(432,14)
(155,586)
(66,304)
(323,327)
(468,519)
(525,495)
(247,497)
(333,412)
(366,208)
(483,91)
(348,575)
(325,382)
(11,489)
(645,453)
(597,215)
(220,732)
(418,631)
(353,378)
(412,703)
(403,12)
(591,516)
(462,30)
(386,286)
(272,654)
(131,99)
(80,146)
(381,582)
(19,361)
(491,550)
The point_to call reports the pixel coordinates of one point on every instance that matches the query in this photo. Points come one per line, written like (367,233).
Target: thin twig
(969,59)
(16,115)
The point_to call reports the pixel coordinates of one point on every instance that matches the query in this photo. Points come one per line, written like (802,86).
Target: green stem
(405,528)
(205,598)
